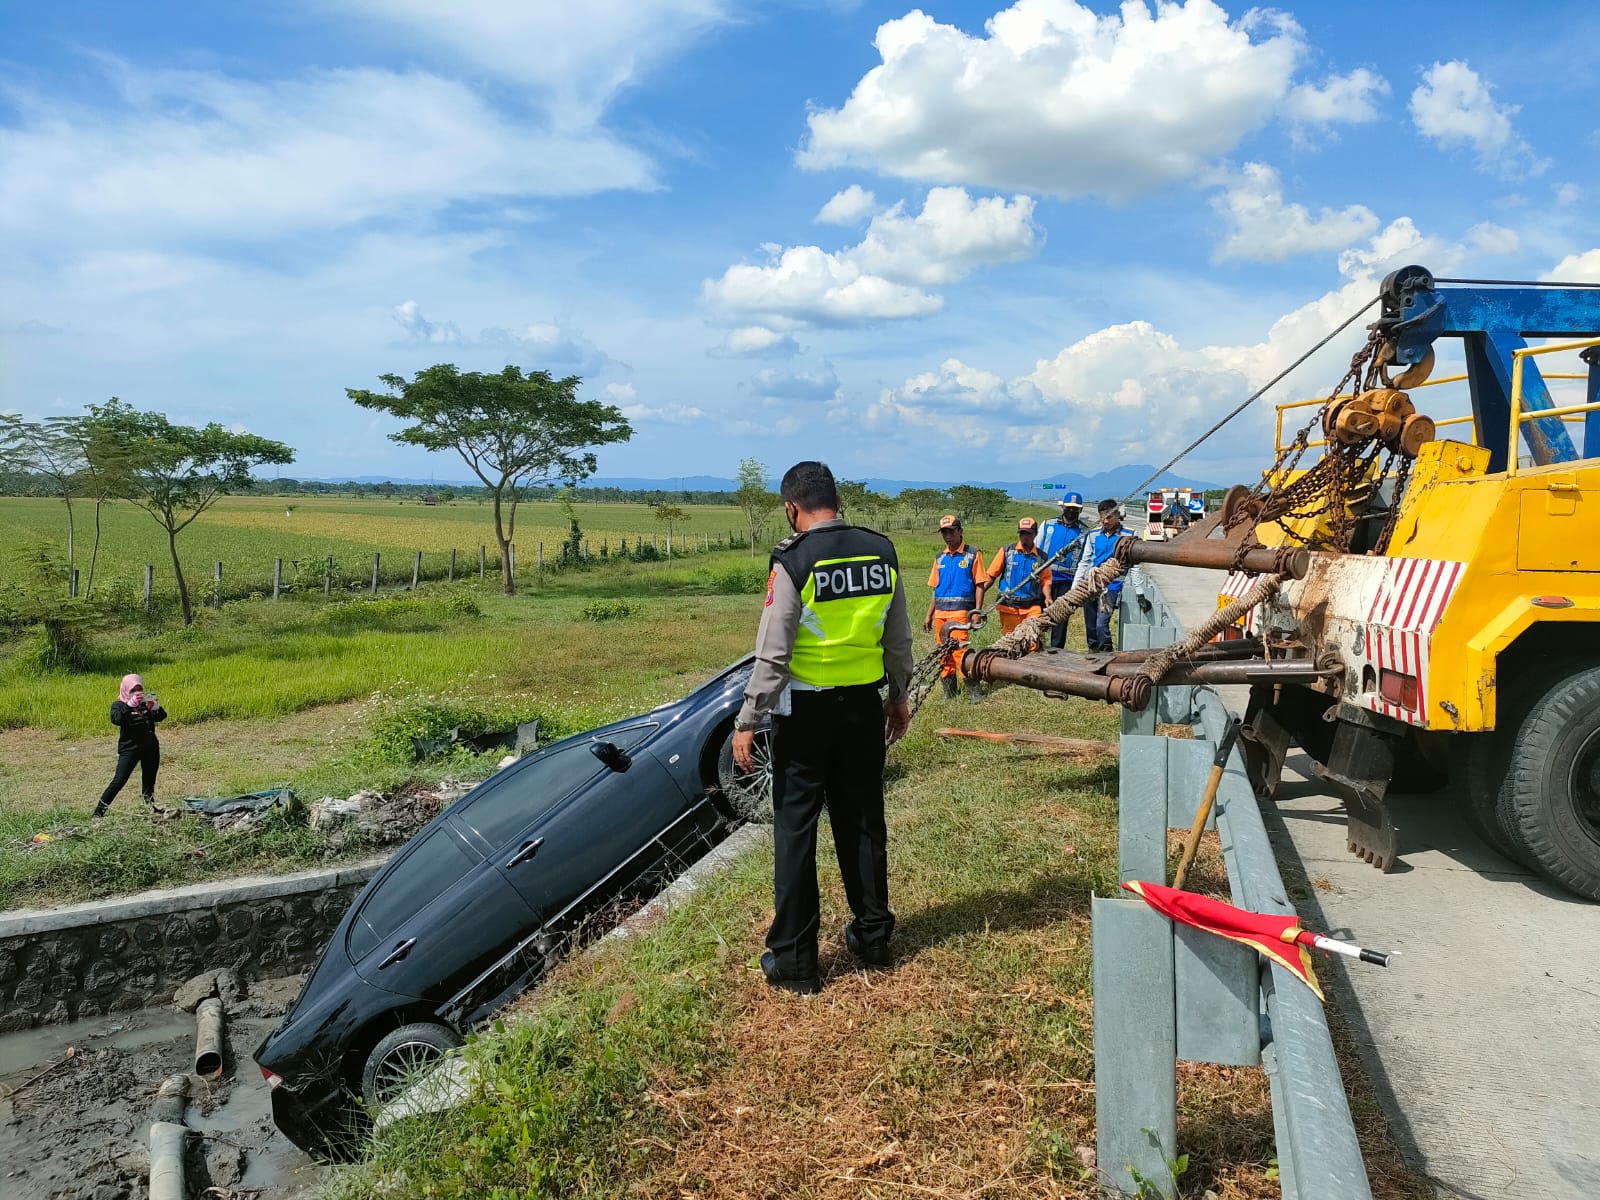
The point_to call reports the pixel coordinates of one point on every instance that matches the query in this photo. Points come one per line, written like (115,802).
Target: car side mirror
(608,753)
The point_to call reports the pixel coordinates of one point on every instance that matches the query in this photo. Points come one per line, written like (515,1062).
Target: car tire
(1552,791)
(749,792)
(396,1060)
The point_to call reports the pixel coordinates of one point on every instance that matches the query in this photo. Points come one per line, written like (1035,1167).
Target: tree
(667,514)
(859,502)
(923,500)
(176,472)
(39,448)
(515,431)
(970,501)
(106,462)
(755,500)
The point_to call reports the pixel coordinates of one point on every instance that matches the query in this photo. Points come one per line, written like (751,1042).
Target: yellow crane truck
(1450,606)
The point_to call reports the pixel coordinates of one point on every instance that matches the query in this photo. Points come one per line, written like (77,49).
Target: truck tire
(1552,788)
(1488,762)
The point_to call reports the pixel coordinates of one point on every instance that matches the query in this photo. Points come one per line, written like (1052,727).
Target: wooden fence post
(585,549)
(376,557)
(605,549)
(149,581)
(416,571)
(538,558)
(451,577)
(277,577)
(511,558)
(327,577)
(216,584)
(669,547)
(482,558)
(72,584)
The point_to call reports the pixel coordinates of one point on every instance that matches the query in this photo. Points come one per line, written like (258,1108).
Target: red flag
(1279,937)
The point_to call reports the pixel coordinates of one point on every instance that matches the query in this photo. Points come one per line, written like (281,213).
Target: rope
(1027,635)
(1159,663)
(1252,398)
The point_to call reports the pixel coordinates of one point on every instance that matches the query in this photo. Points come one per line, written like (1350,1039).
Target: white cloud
(883,276)
(754,341)
(419,329)
(1400,243)
(1568,194)
(807,386)
(667,414)
(1453,107)
(1577,268)
(1262,228)
(1057,99)
(1339,100)
(848,207)
(621,393)
(544,345)
(187,154)
(578,56)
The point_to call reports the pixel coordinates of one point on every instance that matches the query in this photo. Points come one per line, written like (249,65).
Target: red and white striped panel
(1401,619)
(1239,583)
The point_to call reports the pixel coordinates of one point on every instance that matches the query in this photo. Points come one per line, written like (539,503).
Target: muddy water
(80,1132)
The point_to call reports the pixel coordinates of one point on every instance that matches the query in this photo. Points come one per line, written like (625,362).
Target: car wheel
(401,1057)
(1553,785)
(750,792)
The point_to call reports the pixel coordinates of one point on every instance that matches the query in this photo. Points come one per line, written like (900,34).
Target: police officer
(833,629)
(1061,541)
(958,581)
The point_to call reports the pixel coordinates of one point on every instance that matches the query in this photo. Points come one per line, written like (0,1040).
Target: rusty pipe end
(1293,561)
(1133,692)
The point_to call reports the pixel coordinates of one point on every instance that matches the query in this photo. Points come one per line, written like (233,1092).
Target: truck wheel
(1488,763)
(1553,785)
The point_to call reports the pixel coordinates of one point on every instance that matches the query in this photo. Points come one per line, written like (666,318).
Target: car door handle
(398,954)
(529,849)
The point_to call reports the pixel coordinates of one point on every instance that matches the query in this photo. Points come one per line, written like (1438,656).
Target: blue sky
(970,240)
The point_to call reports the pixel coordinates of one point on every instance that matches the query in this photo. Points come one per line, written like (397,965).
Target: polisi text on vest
(854,579)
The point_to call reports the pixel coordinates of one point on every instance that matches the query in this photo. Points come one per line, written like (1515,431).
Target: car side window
(434,864)
(526,794)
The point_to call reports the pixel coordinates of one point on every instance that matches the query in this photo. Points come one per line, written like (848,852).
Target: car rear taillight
(1398,689)
(274,1081)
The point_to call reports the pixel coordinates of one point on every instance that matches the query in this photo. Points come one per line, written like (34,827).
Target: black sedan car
(475,908)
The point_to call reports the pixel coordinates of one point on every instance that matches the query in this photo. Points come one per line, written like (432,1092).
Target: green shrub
(400,719)
(607,610)
(747,579)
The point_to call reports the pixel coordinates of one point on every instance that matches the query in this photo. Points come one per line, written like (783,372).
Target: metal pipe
(1033,671)
(1293,561)
(172,1097)
(208,1038)
(166,1161)
(1257,671)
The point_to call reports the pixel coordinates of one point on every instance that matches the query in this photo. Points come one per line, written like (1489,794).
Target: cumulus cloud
(1339,100)
(1577,268)
(818,385)
(666,414)
(848,207)
(1134,392)
(883,276)
(1058,99)
(1454,108)
(621,393)
(1262,228)
(755,341)
(545,345)
(185,154)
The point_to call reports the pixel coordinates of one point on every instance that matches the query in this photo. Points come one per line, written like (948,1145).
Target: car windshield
(499,813)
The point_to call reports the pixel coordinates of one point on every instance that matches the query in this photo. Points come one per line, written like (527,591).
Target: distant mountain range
(1117,482)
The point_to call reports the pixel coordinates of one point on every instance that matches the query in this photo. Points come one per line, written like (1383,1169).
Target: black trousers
(148,760)
(1058,633)
(829,752)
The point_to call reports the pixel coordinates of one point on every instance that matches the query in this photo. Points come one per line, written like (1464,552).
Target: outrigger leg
(1359,766)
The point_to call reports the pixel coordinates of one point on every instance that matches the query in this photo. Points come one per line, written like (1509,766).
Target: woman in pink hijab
(134,712)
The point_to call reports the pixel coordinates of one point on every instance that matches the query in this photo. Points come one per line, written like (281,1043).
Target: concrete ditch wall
(85,959)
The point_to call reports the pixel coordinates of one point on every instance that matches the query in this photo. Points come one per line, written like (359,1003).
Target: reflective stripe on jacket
(1053,535)
(1016,588)
(846,578)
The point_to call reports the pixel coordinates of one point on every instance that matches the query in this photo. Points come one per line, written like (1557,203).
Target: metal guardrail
(1167,992)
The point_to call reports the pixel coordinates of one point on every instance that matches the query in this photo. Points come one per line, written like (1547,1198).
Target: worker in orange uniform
(958,582)
(1024,588)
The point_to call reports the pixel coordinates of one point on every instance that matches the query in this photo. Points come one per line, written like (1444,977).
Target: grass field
(247,533)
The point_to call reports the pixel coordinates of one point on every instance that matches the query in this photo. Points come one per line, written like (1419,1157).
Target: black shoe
(874,955)
(949,682)
(805,985)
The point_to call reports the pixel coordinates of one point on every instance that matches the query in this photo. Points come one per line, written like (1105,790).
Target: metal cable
(1252,398)
(1534,283)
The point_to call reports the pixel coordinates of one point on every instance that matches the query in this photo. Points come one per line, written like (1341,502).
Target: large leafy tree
(515,431)
(176,472)
(41,449)
(922,500)
(755,499)
(973,501)
(105,462)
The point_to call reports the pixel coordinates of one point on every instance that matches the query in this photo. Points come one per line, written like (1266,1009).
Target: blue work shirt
(1056,533)
(1098,548)
(955,578)
(1016,566)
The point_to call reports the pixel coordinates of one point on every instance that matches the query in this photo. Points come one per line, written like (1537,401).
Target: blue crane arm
(1492,321)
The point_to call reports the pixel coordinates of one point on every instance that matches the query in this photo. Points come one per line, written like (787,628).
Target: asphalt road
(1483,1038)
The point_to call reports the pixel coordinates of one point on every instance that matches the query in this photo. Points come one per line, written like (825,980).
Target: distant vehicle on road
(475,908)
